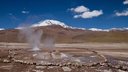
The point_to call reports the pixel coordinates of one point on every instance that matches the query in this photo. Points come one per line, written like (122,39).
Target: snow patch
(2,29)
(96,29)
(121,29)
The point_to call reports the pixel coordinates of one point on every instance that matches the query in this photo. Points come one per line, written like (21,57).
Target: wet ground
(63,59)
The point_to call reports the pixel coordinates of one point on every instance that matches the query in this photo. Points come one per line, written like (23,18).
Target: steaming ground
(114,49)
(104,57)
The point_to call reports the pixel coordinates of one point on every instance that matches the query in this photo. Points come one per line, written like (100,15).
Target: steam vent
(58,60)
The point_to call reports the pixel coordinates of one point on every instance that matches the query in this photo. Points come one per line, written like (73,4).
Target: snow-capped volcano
(51,22)
(48,22)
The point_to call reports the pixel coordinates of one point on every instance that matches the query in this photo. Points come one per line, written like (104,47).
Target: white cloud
(80,9)
(25,12)
(84,12)
(124,13)
(88,14)
(125,2)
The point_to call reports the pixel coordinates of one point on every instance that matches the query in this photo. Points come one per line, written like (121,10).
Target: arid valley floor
(84,57)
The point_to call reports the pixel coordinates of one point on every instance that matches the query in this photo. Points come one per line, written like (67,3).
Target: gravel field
(86,57)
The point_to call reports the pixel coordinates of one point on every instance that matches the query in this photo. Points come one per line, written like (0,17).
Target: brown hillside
(65,35)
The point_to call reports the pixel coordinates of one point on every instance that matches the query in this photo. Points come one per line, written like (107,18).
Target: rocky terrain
(64,58)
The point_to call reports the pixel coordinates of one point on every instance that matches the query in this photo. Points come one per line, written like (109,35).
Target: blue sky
(102,14)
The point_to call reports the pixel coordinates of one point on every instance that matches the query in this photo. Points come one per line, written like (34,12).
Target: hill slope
(61,33)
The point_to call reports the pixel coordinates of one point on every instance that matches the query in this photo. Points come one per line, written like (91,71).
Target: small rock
(40,67)
(66,69)
(92,56)
(38,71)
(50,67)
(6,61)
(121,71)
(77,60)
(107,70)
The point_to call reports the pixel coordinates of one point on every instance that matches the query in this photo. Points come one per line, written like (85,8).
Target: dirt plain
(84,57)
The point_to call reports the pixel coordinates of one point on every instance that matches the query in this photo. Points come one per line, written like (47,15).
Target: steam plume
(33,36)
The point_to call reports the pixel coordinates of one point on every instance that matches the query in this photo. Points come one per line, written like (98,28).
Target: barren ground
(86,57)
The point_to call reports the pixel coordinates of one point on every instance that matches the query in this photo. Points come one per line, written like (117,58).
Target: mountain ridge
(49,22)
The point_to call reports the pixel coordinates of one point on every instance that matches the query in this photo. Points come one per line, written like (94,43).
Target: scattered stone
(63,55)
(77,60)
(66,69)
(107,70)
(92,56)
(38,71)
(121,71)
(34,55)
(6,61)
(40,67)
(50,67)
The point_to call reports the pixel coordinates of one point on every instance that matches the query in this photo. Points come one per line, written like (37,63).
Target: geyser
(33,37)
(49,43)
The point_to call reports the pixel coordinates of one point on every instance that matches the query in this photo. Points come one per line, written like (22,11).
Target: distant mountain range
(55,22)
(59,32)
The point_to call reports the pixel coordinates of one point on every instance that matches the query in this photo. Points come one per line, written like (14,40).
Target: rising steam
(48,42)
(33,36)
